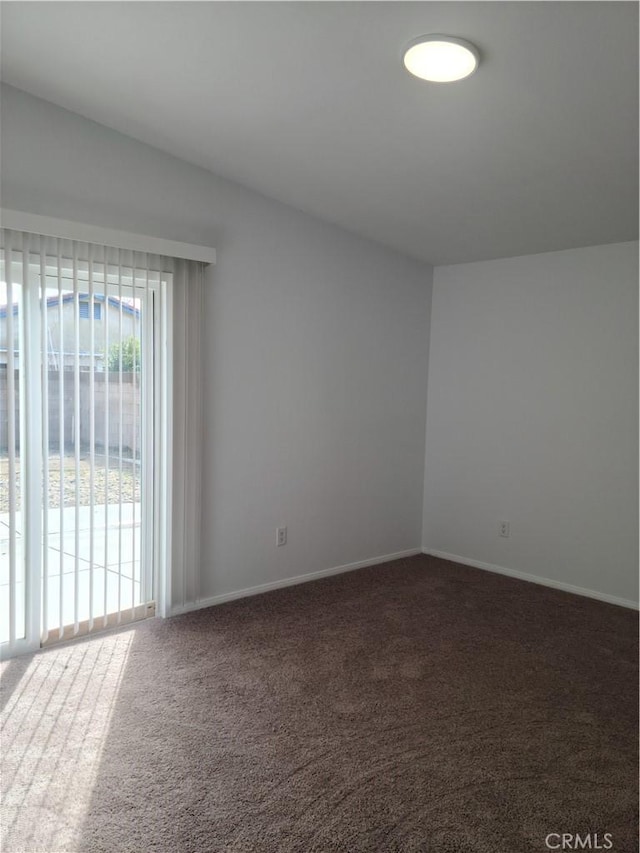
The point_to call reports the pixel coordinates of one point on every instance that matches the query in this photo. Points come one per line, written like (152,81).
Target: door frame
(157,408)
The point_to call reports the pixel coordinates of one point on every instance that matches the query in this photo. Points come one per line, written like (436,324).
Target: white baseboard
(524,576)
(298,579)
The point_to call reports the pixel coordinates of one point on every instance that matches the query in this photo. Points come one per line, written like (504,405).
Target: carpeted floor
(415,706)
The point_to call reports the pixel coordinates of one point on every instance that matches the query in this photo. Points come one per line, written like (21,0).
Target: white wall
(532,416)
(315,357)
(315,376)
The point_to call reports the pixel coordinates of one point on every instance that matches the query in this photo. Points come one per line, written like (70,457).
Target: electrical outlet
(504,529)
(281,536)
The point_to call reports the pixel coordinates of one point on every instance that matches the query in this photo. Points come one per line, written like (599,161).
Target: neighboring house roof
(53,301)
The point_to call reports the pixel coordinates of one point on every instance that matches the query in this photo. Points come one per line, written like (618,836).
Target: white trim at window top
(50,226)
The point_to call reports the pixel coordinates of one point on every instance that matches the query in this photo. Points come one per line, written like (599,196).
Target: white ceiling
(309,103)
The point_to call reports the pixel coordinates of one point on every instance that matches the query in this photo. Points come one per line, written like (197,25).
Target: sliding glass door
(93,456)
(12,474)
(78,336)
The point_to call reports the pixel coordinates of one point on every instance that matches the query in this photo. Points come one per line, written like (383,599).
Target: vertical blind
(82,342)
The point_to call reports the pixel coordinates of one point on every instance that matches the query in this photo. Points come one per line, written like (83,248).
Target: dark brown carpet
(415,706)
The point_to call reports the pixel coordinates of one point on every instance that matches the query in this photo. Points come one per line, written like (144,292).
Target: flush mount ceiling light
(440,59)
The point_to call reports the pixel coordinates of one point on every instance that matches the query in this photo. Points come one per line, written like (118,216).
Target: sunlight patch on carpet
(52,743)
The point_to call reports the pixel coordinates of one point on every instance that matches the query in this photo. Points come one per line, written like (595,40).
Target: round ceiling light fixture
(440,59)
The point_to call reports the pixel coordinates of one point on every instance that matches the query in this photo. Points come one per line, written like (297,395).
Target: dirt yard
(130,481)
